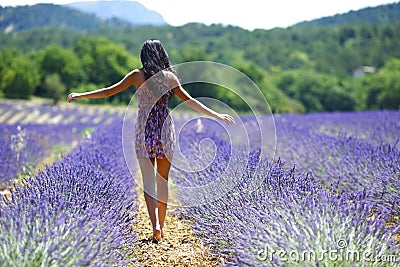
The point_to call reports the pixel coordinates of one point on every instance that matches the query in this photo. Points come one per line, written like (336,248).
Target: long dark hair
(154,58)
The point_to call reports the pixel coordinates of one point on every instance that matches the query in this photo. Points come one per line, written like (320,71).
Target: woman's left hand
(226,118)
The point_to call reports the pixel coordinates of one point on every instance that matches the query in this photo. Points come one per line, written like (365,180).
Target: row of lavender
(78,212)
(347,162)
(377,128)
(22,112)
(333,202)
(25,146)
(29,132)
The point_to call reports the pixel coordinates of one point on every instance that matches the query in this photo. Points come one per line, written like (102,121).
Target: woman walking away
(155,83)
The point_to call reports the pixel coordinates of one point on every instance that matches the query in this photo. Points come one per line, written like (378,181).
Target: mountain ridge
(20,18)
(130,11)
(378,15)
(44,15)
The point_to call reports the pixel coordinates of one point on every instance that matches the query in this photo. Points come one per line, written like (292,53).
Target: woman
(156,81)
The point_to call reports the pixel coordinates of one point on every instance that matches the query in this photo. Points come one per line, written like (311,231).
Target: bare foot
(157,237)
(162,233)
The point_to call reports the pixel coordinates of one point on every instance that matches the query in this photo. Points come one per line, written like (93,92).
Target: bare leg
(149,182)
(163,167)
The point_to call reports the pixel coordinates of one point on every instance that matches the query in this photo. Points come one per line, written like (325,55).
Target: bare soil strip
(180,247)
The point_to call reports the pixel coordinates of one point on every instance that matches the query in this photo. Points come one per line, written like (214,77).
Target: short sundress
(154,131)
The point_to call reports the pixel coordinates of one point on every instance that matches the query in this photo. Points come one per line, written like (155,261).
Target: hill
(88,15)
(380,15)
(306,67)
(130,11)
(14,19)
(80,16)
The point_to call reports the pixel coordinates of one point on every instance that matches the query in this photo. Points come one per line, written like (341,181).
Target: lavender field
(333,187)
(328,197)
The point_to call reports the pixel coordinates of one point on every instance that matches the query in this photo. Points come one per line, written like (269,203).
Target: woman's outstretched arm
(123,84)
(195,104)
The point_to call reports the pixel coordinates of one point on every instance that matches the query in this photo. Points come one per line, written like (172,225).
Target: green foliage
(54,88)
(381,15)
(105,63)
(382,89)
(277,99)
(390,95)
(42,15)
(18,75)
(64,62)
(303,68)
(316,91)
(192,53)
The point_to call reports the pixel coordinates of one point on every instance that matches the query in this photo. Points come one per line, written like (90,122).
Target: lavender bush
(341,197)
(25,146)
(14,112)
(78,212)
(376,127)
(292,214)
(329,197)
(343,163)
(29,132)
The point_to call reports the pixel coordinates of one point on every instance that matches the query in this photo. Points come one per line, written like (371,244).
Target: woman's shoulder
(137,72)
(137,75)
(170,76)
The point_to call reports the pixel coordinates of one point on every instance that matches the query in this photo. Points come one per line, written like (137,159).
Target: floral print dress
(154,132)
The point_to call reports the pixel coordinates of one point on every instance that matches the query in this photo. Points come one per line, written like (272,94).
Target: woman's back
(154,91)
(155,134)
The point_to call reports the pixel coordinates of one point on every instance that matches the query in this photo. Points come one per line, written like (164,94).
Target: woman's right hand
(226,118)
(72,96)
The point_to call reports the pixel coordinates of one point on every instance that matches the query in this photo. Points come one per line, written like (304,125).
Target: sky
(248,14)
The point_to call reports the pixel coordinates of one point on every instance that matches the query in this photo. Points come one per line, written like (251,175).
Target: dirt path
(180,246)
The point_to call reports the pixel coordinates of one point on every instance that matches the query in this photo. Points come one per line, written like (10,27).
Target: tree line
(306,68)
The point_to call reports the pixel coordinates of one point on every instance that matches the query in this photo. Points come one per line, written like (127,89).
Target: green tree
(192,53)
(18,75)
(390,95)
(278,101)
(316,91)
(105,63)
(64,62)
(383,88)
(54,88)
